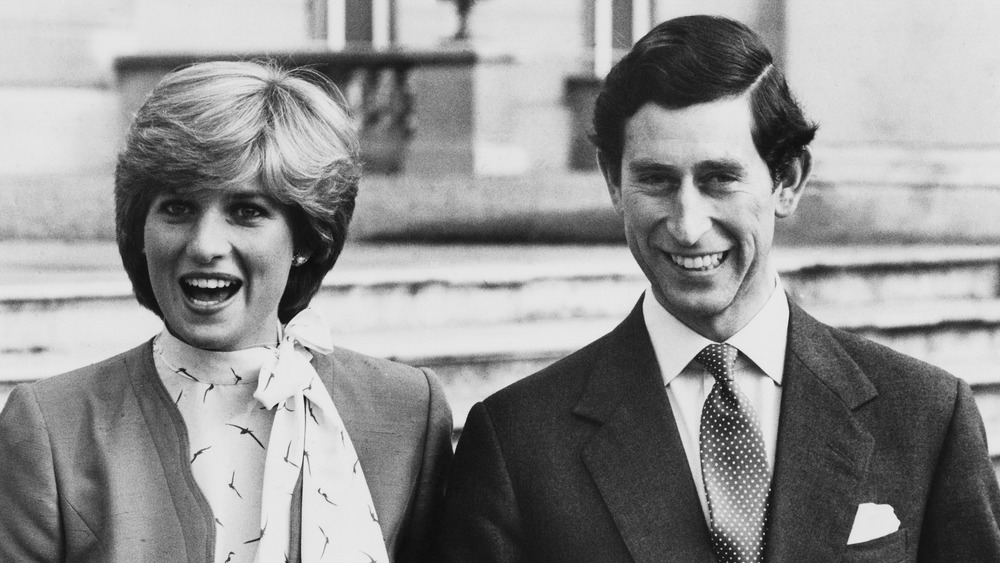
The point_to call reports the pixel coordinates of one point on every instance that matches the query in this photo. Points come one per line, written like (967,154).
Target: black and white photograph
(499,281)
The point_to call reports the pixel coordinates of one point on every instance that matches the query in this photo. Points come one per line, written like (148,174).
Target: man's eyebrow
(649,165)
(720,165)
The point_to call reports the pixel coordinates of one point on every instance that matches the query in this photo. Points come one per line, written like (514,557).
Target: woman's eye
(175,208)
(250,212)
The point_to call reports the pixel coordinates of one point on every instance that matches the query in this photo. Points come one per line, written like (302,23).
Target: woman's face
(218,261)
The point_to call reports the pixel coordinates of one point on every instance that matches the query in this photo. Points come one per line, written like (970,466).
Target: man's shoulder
(557,387)
(889,369)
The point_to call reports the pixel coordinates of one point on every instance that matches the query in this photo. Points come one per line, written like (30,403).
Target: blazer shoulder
(558,386)
(897,375)
(381,374)
(97,379)
(364,382)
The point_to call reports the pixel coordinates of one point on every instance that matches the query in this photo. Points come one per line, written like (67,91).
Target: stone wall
(907,93)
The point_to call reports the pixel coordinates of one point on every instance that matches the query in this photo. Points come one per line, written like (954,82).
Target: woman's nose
(689,217)
(209,238)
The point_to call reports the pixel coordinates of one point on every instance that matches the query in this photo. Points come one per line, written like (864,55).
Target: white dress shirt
(759,369)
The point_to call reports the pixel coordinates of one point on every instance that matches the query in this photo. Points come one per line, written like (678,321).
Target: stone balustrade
(414,108)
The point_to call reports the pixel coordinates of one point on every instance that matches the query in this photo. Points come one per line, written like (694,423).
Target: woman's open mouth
(208,291)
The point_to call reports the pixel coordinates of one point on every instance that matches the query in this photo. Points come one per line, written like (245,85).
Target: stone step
(477,360)
(927,329)
(483,316)
(72,308)
(419,286)
(933,330)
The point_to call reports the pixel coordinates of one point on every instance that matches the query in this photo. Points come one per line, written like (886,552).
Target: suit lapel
(822,452)
(636,458)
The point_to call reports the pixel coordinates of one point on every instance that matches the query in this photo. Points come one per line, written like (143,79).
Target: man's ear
(612,177)
(790,187)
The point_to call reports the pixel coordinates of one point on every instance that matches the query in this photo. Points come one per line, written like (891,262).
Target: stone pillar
(339,23)
(620,32)
(606,42)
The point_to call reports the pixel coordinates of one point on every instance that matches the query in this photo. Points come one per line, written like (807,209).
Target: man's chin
(697,310)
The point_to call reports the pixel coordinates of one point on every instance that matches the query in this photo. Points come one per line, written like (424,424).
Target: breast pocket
(887,549)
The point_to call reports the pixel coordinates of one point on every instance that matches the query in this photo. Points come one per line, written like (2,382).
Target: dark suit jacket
(583,462)
(94,463)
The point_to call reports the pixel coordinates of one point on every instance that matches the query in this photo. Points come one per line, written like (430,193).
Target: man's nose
(209,238)
(689,217)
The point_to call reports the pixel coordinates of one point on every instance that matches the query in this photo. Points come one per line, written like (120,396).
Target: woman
(238,433)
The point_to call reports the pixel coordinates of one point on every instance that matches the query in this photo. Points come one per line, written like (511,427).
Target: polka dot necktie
(733,463)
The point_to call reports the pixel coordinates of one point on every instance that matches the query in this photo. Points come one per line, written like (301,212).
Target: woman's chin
(221,336)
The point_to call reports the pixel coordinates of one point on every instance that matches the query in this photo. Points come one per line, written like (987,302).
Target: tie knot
(718,359)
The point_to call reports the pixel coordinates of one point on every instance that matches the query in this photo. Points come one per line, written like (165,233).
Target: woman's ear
(791,186)
(300,258)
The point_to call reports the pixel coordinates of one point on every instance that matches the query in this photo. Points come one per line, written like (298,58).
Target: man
(718,422)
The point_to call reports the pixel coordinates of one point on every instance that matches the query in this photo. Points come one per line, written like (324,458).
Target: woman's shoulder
(361,372)
(105,376)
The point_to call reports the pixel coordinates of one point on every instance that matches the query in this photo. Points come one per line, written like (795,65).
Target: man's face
(699,208)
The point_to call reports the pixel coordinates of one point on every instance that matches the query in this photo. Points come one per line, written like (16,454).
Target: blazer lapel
(822,452)
(381,429)
(168,434)
(636,458)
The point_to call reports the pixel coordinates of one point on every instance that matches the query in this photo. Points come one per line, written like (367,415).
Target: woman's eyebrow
(239,194)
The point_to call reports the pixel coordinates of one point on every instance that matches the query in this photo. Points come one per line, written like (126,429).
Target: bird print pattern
(258,420)
(339,519)
(226,435)
(734,463)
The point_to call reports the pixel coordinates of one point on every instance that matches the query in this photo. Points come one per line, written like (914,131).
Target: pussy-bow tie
(339,522)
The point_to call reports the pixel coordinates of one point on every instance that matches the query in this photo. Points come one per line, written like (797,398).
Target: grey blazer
(583,461)
(94,463)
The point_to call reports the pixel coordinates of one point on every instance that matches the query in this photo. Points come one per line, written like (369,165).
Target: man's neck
(721,326)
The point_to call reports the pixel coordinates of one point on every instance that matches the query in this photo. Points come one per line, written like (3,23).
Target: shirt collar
(763,339)
(211,366)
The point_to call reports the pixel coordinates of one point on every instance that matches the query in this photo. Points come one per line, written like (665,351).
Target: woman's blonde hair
(224,123)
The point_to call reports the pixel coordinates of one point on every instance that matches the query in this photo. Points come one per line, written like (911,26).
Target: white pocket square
(873,521)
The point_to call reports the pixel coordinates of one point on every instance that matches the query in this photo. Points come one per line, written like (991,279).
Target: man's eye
(652,178)
(719,180)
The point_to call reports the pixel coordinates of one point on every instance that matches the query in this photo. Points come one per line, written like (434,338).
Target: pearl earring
(298,260)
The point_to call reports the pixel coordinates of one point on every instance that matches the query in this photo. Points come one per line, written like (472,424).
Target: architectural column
(339,23)
(612,26)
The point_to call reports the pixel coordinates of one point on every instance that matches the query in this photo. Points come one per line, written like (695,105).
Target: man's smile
(701,262)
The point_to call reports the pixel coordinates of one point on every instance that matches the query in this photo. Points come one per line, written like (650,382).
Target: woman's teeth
(209,290)
(703,262)
(208,283)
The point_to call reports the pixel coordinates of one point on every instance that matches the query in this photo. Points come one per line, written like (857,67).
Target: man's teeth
(208,283)
(703,262)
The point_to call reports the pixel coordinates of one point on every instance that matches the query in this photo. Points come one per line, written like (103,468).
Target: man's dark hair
(697,59)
